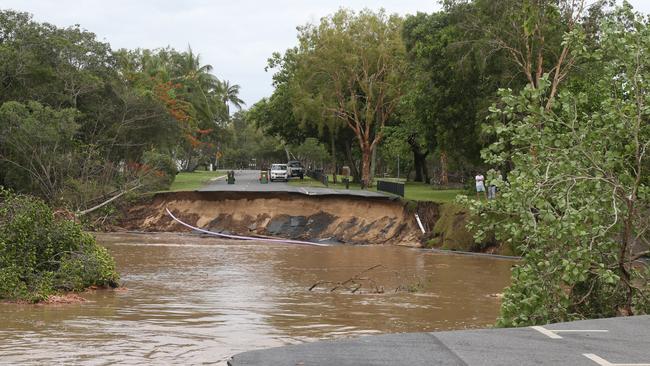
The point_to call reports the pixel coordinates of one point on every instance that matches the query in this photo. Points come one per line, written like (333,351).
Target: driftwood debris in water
(361,283)
(353,284)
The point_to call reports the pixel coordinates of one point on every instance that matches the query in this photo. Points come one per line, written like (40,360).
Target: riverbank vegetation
(81,127)
(42,253)
(575,199)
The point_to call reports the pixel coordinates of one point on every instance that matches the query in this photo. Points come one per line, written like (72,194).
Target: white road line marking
(579,330)
(546,332)
(553,333)
(597,359)
(603,362)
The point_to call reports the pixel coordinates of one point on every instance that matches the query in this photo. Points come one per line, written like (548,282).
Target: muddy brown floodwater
(194,300)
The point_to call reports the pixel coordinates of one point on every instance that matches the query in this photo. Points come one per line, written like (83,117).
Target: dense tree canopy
(349,68)
(450,89)
(80,122)
(576,203)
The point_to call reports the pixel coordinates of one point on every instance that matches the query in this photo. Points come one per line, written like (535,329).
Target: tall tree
(538,36)
(450,87)
(351,66)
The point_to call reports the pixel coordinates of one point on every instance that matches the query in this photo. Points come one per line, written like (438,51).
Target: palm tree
(230,95)
(155,64)
(201,85)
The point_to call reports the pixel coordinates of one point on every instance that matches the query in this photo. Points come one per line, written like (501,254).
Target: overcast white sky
(235,37)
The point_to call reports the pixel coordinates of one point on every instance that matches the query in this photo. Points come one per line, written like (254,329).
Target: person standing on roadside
(480,185)
(496,177)
(491,192)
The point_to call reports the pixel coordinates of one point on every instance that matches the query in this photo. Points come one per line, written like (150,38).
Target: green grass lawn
(190,181)
(418,191)
(413,191)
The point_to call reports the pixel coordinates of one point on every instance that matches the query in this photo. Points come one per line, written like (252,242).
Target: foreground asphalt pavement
(248,181)
(604,342)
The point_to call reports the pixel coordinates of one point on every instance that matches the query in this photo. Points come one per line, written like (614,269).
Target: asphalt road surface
(248,181)
(604,342)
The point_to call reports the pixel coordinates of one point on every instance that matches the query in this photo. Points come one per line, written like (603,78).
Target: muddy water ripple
(193,300)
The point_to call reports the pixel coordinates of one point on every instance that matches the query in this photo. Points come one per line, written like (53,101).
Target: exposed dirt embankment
(346,219)
(329,218)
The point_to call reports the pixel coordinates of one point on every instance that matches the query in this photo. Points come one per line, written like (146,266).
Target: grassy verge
(190,181)
(415,191)
(418,191)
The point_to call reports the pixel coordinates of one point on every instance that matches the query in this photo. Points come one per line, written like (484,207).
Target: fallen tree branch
(81,213)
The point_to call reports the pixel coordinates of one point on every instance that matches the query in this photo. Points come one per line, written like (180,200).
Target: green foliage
(160,170)
(78,121)
(311,152)
(346,71)
(247,142)
(395,144)
(575,205)
(276,117)
(450,84)
(38,144)
(40,254)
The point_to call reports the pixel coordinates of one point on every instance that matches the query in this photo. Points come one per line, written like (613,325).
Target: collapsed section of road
(287,215)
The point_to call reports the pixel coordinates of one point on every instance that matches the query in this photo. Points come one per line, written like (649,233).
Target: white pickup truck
(296,169)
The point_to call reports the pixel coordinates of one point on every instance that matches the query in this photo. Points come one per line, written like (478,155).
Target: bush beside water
(41,254)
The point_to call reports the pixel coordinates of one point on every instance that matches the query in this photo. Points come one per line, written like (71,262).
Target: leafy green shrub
(577,198)
(40,254)
(160,170)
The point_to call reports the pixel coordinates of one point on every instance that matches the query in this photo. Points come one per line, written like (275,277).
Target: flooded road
(192,300)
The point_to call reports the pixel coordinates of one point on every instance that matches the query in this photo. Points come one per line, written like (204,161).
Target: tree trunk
(425,170)
(366,156)
(354,169)
(416,165)
(373,164)
(444,176)
(419,160)
(420,164)
(332,141)
(188,162)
